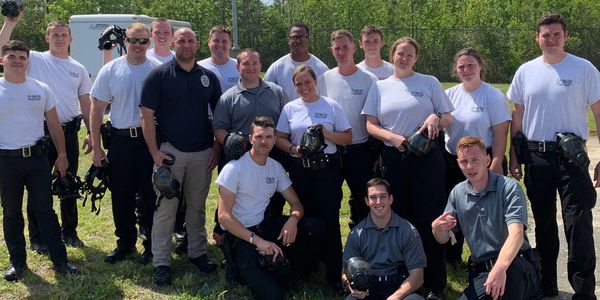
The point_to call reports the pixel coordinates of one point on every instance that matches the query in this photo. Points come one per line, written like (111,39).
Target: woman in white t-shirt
(480,110)
(317,178)
(396,108)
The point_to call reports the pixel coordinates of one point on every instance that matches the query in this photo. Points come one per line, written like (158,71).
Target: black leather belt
(33,151)
(385,278)
(348,148)
(542,146)
(133,132)
(487,265)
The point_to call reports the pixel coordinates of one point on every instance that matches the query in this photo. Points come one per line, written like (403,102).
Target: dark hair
(401,40)
(219,28)
(299,25)
(472,53)
(342,33)
(57,24)
(552,18)
(14,45)
(264,122)
(303,68)
(247,50)
(370,29)
(161,20)
(470,141)
(379,181)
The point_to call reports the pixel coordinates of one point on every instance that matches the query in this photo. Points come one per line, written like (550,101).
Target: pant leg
(541,182)
(357,167)
(578,197)
(143,174)
(196,184)
(262,283)
(394,165)
(68,206)
(122,156)
(12,183)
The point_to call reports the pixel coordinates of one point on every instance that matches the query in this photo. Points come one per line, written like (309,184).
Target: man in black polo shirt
(178,94)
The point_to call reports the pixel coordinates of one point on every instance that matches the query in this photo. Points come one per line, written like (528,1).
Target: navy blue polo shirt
(180,100)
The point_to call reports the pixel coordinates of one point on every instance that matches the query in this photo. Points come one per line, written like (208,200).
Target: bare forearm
(511,246)
(85,105)
(339,138)
(220,135)
(409,285)
(96,118)
(149,129)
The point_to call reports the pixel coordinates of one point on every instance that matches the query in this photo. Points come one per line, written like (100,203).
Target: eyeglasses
(296,38)
(143,41)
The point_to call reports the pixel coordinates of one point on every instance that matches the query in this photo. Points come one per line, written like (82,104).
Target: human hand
(289,231)
(496,280)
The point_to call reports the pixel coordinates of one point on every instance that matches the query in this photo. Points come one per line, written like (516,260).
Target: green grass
(129,280)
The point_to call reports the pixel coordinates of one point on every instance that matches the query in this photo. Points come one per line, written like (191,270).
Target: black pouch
(106,132)
(375,147)
(316,161)
(519,144)
(77,123)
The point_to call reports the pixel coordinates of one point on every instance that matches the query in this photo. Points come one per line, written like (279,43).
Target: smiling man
(161,34)
(219,62)
(490,210)
(371,41)
(391,246)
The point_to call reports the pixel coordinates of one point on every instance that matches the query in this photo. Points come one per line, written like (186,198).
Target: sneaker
(162,275)
(73,241)
(14,273)
(204,264)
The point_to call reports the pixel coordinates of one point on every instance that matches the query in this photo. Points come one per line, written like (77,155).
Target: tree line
(502,30)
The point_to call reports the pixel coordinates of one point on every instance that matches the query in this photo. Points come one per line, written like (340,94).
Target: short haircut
(342,33)
(472,53)
(263,122)
(369,29)
(299,25)
(470,141)
(137,26)
(379,181)
(303,68)
(57,24)
(247,51)
(162,20)
(552,18)
(402,40)
(219,28)
(14,45)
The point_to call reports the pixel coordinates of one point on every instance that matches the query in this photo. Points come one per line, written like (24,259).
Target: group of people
(166,109)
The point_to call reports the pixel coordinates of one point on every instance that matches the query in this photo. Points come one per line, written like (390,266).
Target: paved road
(565,290)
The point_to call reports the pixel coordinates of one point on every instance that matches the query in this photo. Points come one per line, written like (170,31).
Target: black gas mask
(358,273)
(572,149)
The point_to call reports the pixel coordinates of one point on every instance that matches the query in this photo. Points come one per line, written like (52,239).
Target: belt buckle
(133,132)
(26,152)
(542,146)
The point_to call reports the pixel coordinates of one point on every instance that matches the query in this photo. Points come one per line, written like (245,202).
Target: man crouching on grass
(245,187)
(491,212)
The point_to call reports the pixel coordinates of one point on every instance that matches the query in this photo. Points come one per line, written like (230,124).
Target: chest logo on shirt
(205,81)
(34,97)
(417,94)
(477,109)
(321,115)
(73,74)
(270,180)
(356,91)
(564,82)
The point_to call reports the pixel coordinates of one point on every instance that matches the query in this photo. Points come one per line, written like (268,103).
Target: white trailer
(86,30)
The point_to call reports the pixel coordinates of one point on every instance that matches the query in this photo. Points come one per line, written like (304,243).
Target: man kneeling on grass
(490,211)
(245,187)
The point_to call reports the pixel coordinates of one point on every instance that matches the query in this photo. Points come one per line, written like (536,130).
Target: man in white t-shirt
(371,41)
(71,82)
(119,83)
(552,94)
(161,33)
(348,85)
(219,62)
(280,72)
(245,187)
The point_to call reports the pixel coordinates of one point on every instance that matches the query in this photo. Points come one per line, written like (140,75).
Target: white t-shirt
(162,59)
(556,97)
(350,92)
(298,115)
(67,78)
(402,104)
(281,71)
(228,73)
(253,186)
(475,113)
(22,108)
(120,83)
(382,72)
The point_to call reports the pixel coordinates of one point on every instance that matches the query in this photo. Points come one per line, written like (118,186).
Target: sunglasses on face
(143,41)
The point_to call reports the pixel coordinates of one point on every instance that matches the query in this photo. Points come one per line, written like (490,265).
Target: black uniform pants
(130,171)
(32,173)
(544,175)
(263,283)
(357,170)
(418,188)
(320,192)
(68,206)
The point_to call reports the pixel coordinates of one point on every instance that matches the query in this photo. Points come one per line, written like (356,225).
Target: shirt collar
(261,86)
(174,62)
(394,222)
(491,186)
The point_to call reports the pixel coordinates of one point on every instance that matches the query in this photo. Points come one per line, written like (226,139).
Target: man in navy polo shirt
(178,94)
